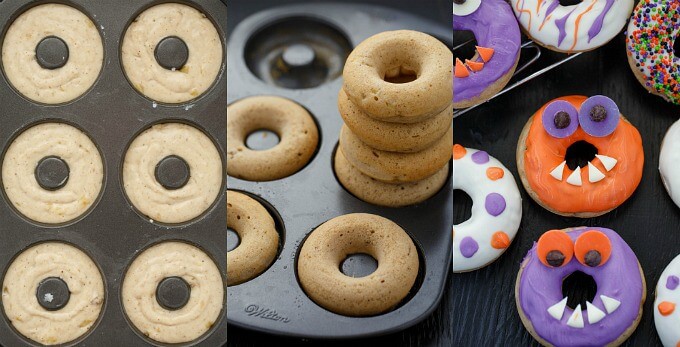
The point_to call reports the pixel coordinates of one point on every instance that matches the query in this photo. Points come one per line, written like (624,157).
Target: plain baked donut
(291,122)
(394,53)
(329,244)
(259,240)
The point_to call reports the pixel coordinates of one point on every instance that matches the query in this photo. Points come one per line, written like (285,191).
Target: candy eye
(593,248)
(465,7)
(599,116)
(560,119)
(555,248)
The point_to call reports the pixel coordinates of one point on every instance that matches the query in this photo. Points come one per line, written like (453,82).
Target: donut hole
(233,239)
(676,47)
(464,45)
(579,288)
(462,206)
(399,75)
(358,265)
(570,2)
(579,154)
(262,139)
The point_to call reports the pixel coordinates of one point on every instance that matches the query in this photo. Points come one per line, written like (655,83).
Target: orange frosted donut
(579,157)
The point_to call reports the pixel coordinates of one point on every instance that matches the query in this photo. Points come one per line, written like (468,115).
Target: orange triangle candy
(461,70)
(485,53)
(474,65)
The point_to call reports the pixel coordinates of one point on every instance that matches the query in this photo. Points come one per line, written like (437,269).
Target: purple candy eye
(560,119)
(599,116)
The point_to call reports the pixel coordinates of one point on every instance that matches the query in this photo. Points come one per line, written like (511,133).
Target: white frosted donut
(668,162)
(574,28)
(666,316)
(496,209)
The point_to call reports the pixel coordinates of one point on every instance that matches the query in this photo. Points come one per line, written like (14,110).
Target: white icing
(576,319)
(557,311)
(608,162)
(594,314)
(466,8)
(668,162)
(667,326)
(558,172)
(610,304)
(543,28)
(472,179)
(575,178)
(594,175)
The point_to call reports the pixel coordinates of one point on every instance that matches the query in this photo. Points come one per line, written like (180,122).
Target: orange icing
(461,71)
(495,173)
(485,53)
(578,21)
(554,240)
(666,308)
(458,152)
(500,240)
(592,240)
(474,65)
(545,152)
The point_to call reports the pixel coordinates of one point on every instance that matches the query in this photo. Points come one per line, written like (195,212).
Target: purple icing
(494,26)
(494,204)
(599,21)
(560,23)
(468,247)
(672,282)
(541,287)
(552,7)
(480,157)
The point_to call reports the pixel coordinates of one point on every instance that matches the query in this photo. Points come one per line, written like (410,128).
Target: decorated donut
(606,318)
(498,39)
(579,157)
(668,162)
(666,317)
(650,38)
(572,28)
(496,209)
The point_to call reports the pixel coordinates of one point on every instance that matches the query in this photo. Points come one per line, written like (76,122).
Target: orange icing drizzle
(544,21)
(495,173)
(578,21)
(545,152)
(521,10)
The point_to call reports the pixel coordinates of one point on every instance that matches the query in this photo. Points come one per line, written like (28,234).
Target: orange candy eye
(593,248)
(555,248)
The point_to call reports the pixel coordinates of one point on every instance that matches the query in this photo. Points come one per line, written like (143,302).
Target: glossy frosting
(668,294)
(544,153)
(582,27)
(540,287)
(668,162)
(495,27)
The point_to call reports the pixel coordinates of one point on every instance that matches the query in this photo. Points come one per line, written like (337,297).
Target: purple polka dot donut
(496,209)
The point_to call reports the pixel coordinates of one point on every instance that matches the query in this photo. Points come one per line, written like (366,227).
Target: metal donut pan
(112,113)
(274,302)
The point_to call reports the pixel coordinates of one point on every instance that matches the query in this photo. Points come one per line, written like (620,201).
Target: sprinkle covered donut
(498,39)
(650,37)
(606,318)
(666,316)
(668,162)
(496,209)
(573,28)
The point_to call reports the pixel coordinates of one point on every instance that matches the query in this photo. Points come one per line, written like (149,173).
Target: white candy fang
(576,319)
(558,172)
(557,311)
(575,178)
(594,175)
(610,304)
(594,314)
(608,162)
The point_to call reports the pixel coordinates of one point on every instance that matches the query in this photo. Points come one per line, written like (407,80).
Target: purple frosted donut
(498,44)
(608,317)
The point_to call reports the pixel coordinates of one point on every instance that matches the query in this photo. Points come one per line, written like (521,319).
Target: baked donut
(291,122)
(499,41)
(572,28)
(579,157)
(52,53)
(666,317)
(259,240)
(649,41)
(399,53)
(605,318)
(333,241)
(496,209)
(172,53)
(53,293)
(668,162)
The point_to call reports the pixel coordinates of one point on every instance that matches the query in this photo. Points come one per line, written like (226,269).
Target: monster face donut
(579,157)
(668,162)
(498,38)
(496,209)
(572,28)
(649,41)
(666,317)
(606,318)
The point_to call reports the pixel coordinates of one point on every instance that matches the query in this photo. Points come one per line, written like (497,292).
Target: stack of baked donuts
(395,145)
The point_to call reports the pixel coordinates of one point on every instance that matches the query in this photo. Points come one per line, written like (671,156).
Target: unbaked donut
(498,38)
(668,162)
(259,240)
(496,209)
(329,244)
(573,28)
(607,319)
(666,316)
(579,157)
(395,53)
(295,127)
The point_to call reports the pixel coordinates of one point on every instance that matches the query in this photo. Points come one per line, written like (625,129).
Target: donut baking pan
(112,232)
(274,301)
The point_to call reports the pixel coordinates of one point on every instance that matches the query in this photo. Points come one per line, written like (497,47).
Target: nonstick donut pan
(274,302)
(112,113)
